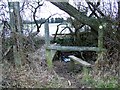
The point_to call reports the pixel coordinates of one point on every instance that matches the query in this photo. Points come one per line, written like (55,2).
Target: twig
(8,50)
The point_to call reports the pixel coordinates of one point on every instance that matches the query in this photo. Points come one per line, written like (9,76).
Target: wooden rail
(73,48)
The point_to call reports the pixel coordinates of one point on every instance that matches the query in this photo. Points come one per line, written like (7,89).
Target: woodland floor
(34,73)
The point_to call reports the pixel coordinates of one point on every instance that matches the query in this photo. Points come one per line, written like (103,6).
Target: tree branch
(34,15)
(92,22)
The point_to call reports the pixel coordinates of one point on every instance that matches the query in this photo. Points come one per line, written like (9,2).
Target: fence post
(47,43)
(47,38)
(15,24)
(100,44)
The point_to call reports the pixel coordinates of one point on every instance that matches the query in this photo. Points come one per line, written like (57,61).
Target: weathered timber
(100,44)
(49,56)
(15,24)
(73,48)
(47,38)
(19,27)
(100,37)
(49,53)
(83,63)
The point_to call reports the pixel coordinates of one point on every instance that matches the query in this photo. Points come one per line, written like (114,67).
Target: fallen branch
(7,51)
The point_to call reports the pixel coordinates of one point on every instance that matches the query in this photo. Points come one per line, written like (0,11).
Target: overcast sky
(49,9)
(46,10)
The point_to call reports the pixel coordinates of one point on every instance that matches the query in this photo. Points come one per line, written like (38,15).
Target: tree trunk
(72,11)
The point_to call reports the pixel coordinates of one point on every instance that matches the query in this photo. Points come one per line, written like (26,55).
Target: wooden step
(83,63)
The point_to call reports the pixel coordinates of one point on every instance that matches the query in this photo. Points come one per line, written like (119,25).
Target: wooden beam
(72,48)
(83,63)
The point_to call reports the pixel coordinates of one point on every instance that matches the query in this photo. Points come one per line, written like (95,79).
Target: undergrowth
(96,81)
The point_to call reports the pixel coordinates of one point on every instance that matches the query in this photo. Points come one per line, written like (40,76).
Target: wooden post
(49,58)
(19,35)
(47,38)
(100,37)
(47,43)
(15,24)
(100,44)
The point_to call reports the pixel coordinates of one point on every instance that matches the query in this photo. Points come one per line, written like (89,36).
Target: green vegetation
(98,82)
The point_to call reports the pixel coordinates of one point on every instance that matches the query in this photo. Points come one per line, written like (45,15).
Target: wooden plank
(73,48)
(83,63)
